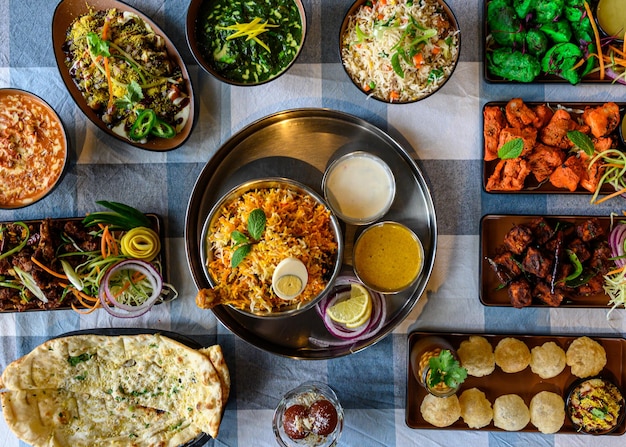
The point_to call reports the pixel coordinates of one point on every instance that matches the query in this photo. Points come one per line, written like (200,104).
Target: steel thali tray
(299,144)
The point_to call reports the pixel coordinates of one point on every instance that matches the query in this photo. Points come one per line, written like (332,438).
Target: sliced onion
(346,335)
(616,243)
(615,76)
(121,310)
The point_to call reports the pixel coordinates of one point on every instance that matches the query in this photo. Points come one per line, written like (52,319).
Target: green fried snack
(582,30)
(559,31)
(536,42)
(523,7)
(547,11)
(560,60)
(574,10)
(513,65)
(504,24)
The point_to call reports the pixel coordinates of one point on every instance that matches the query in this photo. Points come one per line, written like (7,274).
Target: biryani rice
(377,31)
(297,226)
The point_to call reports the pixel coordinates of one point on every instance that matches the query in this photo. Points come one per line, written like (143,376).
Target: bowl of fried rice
(252,231)
(399,51)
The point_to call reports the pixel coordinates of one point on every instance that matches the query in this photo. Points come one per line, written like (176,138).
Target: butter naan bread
(122,390)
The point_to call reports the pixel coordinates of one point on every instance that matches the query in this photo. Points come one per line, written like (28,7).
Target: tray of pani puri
(500,258)
(543,365)
(550,161)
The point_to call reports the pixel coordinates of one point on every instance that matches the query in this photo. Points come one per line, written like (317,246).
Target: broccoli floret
(536,42)
(547,11)
(505,27)
(523,7)
(574,10)
(558,31)
(560,60)
(513,65)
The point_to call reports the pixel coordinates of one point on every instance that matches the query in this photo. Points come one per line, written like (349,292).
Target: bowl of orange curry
(33,148)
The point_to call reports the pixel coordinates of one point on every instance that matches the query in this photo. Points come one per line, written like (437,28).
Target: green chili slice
(143,124)
(162,129)
(21,244)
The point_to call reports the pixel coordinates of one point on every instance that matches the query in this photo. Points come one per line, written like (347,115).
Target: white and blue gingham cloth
(445,133)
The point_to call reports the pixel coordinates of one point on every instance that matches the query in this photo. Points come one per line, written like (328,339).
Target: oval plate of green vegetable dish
(139,93)
(548,41)
(246,43)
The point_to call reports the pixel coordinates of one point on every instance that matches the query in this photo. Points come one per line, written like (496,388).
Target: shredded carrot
(394,95)
(579,63)
(137,276)
(597,37)
(610,196)
(80,294)
(617,50)
(107,69)
(47,269)
(108,245)
(435,50)
(617,270)
(88,309)
(418,59)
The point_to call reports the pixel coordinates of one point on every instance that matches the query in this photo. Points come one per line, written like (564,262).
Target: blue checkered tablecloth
(445,133)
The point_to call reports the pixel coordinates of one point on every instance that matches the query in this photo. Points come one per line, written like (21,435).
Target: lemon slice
(354,309)
(364,319)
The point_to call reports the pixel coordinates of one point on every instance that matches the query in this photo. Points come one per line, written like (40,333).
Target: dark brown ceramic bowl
(607,386)
(65,13)
(196,10)
(51,162)
(416,96)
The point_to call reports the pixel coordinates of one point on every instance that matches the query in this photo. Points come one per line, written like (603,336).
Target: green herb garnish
(445,368)
(243,243)
(582,141)
(599,413)
(97,45)
(133,95)
(511,149)
(75,360)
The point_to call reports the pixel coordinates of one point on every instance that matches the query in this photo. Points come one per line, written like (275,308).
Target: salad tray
(156,225)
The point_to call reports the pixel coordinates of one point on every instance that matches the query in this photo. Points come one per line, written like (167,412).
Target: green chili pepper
(142,126)
(577,265)
(162,129)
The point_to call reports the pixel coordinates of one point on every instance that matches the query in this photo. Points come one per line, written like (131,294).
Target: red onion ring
(616,243)
(346,335)
(117,309)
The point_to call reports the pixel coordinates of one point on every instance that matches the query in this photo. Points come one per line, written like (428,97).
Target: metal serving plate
(300,144)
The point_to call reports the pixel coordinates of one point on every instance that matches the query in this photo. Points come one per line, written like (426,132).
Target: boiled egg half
(289,279)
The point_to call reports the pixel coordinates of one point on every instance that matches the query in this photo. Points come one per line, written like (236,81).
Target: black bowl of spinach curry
(246,43)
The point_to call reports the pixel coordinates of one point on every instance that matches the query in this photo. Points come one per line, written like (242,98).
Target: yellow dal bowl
(388,257)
